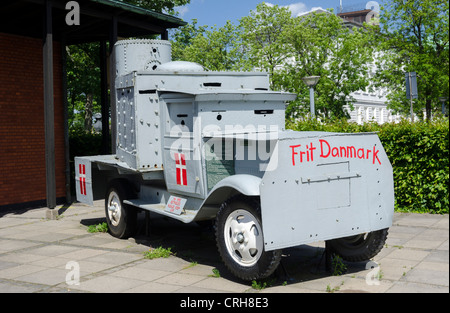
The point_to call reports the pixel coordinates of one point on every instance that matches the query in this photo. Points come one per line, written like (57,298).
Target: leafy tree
(320,44)
(183,36)
(287,48)
(414,38)
(159,5)
(262,41)
(83,84)
(215,48)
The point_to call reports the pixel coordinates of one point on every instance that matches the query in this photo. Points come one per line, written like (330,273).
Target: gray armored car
(196,145)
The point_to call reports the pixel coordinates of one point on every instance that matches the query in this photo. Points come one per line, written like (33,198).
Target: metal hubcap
(240,237)
(114,208)
(243,237)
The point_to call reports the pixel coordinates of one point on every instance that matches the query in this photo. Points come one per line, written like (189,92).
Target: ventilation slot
(147,92)
(212,84)
(263,111)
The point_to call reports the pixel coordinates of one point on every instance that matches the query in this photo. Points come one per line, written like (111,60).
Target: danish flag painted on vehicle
(180,163)
(82,172)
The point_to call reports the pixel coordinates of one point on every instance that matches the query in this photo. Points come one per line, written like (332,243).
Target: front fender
(247,185)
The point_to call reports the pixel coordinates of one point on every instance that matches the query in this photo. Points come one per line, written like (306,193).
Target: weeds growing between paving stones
(159,252)
(99,228)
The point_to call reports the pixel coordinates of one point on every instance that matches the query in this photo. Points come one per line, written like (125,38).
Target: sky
(217,12)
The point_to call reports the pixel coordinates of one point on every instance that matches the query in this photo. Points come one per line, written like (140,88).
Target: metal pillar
(66,122)
(411,97)
(165,35)
(49,115)
(311,101)
(104,98)
(112,83)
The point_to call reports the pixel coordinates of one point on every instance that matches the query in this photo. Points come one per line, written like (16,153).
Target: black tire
(121,218)
(240,241)
(359,248)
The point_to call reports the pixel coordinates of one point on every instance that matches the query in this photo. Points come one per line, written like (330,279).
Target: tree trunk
(88,113)
(428,109)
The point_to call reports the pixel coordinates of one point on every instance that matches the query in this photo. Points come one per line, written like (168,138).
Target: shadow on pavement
(196,243)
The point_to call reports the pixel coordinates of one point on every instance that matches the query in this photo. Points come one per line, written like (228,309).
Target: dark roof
(354,13)
(26,17)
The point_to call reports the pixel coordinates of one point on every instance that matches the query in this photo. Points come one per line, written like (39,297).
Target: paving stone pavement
(38,255)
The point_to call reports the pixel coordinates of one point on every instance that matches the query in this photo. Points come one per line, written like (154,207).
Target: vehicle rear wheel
(240,240)
(121,219)
(361,247)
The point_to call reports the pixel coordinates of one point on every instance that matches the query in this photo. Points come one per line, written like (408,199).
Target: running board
(186,216)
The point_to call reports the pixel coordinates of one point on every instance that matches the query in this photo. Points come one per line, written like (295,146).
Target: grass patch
(263,284)
(98,228)
(157,253)
(192,264)
(215,273)
(334,289)
(338,266)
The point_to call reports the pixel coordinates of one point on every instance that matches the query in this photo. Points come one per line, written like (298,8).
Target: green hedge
(84,144)
(419,153)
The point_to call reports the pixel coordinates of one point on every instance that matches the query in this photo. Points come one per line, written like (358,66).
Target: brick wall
(22,136)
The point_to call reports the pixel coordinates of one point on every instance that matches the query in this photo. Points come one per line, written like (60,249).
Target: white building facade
(368,106)
(371,107)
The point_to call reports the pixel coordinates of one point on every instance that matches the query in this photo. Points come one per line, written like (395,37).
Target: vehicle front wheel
(240,241)
(121,219)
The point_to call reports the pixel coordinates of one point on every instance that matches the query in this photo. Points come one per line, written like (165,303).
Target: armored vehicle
(196,145)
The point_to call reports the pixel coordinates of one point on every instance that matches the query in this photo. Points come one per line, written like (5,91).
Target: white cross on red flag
(180,163)
(82,172)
